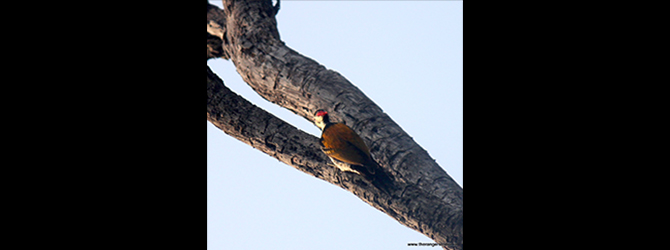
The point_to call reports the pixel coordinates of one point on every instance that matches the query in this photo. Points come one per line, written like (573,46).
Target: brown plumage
(348,151)
(344,147)
(342,143)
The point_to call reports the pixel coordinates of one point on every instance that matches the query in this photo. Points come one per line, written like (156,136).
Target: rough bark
(426,199)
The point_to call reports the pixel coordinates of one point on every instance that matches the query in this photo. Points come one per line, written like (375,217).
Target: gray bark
(425,199)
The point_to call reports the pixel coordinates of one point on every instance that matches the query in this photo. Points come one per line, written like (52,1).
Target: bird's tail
(377,176)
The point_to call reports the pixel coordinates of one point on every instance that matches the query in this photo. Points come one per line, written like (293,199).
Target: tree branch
(427,198)
(252,125)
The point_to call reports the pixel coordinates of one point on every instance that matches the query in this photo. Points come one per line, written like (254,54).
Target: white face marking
(318,120)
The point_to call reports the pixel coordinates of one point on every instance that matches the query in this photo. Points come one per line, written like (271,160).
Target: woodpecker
(348,151)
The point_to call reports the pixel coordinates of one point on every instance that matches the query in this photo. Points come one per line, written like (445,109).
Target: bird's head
(321,118)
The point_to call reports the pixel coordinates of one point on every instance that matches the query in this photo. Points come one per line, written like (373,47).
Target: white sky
(391,50)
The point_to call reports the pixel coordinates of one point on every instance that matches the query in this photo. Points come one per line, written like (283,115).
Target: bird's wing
(342,143)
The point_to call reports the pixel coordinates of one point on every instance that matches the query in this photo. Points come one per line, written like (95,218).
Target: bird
(348,151)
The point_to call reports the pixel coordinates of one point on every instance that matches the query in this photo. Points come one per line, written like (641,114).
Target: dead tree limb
(427,198)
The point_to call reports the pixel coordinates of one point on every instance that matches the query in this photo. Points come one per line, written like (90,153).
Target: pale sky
(407,56)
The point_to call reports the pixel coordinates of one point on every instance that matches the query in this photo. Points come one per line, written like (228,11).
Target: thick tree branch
(254,126)
(427,199)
